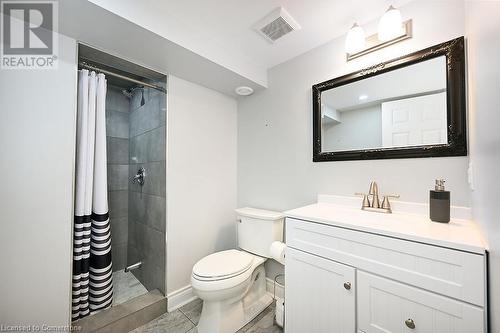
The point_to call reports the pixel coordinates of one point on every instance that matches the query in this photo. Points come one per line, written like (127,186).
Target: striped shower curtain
(92,268)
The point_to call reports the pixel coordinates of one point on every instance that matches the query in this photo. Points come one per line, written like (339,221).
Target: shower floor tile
(126,286)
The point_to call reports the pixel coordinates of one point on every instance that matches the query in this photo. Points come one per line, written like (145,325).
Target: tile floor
(185,319)
(126,286)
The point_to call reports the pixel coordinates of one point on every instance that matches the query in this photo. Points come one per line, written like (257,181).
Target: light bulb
(355,39)
(390,25)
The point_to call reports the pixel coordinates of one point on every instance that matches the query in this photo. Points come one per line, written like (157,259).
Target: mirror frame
(454,52)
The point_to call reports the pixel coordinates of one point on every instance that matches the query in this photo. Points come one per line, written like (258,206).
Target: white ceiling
(220,30)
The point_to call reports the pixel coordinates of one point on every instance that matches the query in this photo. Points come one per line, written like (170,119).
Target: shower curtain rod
(104,71)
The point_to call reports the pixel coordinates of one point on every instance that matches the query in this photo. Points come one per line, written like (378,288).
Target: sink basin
(408,221)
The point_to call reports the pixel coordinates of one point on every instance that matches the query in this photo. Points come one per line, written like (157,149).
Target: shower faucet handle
(140,176)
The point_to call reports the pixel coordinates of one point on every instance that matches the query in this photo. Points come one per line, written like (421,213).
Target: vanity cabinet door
(319,294)
(387,306)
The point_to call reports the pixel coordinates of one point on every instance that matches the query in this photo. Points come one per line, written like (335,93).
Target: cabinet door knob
(410,323)
(347,285)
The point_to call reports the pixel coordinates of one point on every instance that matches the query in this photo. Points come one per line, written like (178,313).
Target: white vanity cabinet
(341,277)
(386,306)
(325,303)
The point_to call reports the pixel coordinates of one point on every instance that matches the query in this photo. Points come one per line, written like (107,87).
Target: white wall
(37,143)
(483,31)
(201,177)
(275,168)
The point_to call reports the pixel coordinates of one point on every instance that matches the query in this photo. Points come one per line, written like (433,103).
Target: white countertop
(460,234)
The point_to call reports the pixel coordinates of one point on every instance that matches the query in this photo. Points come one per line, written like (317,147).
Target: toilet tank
(258,228)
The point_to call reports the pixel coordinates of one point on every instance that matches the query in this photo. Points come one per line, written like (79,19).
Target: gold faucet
(371,201)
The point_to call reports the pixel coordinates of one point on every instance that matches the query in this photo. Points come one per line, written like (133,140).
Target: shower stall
(135,126)
(136,187)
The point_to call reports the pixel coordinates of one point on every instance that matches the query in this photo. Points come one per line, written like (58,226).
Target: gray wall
(117,141)
(147,204)
(275,168)
(483,31)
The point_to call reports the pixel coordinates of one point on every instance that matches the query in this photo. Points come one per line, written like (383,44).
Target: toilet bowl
(232,283)
(231,296)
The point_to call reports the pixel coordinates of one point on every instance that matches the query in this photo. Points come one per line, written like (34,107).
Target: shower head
(127,93)
(142,99)
(130,93)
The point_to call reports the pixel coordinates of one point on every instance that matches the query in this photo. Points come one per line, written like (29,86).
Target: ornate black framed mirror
(409,107)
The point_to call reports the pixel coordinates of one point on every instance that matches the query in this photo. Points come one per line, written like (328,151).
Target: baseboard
(280,289)
(180,297)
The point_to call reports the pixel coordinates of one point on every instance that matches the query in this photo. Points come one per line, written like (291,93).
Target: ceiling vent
(276,24)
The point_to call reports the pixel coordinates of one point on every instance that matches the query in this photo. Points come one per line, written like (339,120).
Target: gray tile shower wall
(117,144)
(147,203)
(117,149)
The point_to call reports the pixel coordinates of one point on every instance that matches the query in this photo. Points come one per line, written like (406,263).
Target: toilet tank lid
(261,214)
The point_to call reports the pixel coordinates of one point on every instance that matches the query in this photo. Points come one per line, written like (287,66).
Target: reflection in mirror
(400,108)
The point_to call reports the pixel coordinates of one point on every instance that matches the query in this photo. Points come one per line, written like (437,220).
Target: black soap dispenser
(439,203)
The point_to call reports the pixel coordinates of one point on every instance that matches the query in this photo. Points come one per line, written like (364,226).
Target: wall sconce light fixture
(391,30)
(355,40)
(390,25)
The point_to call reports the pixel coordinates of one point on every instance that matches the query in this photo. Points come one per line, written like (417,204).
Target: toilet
(232,283)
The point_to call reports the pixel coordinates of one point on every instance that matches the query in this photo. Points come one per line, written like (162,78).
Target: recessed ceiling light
(362,97)
(243,91)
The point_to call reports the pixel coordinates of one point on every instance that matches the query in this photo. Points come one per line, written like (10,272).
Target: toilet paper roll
(277,251)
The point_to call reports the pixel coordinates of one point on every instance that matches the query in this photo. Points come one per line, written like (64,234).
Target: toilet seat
(209,275)
(222,265)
